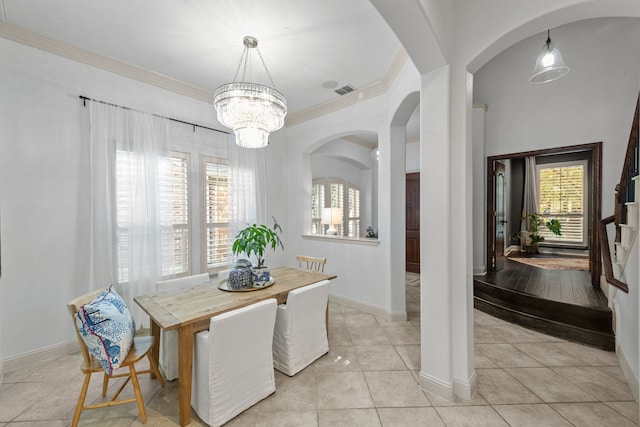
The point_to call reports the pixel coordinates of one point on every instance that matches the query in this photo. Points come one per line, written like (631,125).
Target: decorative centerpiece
(240,275)
(254,239)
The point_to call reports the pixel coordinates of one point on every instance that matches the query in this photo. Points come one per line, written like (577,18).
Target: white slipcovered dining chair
(300,334)
(169,339)
(233,362)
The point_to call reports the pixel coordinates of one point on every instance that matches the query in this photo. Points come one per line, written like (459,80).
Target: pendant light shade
(549,65)
(252,110)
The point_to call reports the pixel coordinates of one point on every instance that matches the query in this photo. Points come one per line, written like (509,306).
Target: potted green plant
(530,239)
(253,240)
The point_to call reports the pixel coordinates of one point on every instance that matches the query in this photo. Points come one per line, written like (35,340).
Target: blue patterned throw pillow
(107,328)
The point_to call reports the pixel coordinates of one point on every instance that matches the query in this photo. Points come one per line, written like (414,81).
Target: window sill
(342,239)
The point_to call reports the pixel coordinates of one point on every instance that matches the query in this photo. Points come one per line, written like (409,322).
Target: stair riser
(595,319)
(571,333)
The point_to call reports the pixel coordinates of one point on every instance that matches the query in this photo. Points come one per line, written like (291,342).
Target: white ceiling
(304,43)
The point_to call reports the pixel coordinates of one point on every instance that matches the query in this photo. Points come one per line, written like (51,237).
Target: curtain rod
(85,99)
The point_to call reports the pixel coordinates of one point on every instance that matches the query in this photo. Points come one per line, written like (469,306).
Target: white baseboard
(462,389)
(395,316)
(628,372)
(436,386)
(40,355)
(466,389)
(479,270)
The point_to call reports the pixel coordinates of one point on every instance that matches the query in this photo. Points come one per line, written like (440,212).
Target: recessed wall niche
(345,175)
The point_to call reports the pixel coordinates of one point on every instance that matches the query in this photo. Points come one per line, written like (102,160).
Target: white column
(445,234)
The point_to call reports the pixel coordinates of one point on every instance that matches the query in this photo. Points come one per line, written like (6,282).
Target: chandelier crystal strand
(252,110)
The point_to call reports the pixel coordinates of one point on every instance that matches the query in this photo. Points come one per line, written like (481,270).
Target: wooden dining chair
(140,349)
(311,263)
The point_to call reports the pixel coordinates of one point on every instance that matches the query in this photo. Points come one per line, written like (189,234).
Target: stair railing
(606,255)
(624,192)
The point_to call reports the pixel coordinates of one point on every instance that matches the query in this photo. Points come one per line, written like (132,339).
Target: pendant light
(549,65)
(250,109)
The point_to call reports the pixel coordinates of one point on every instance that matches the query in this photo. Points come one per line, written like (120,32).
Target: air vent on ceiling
(344,90)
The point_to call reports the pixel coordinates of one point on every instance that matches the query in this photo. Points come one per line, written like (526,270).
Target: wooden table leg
(185,364)
(155,351)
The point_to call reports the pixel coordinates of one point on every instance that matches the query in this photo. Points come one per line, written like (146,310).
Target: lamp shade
(333,217)
(549,65)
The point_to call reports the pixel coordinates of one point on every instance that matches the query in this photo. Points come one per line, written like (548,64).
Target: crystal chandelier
(250,109)
(549,65)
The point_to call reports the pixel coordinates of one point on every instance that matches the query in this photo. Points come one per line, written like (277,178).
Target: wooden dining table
(189,311)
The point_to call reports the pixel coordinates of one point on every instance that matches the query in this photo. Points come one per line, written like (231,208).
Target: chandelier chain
(265,68)
(243,58)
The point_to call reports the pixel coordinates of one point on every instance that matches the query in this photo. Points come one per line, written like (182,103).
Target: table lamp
(333,217)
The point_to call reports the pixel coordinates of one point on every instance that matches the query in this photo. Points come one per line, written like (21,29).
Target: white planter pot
(261,276)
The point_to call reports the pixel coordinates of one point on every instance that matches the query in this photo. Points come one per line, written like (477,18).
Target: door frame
(595,208)
(415,176)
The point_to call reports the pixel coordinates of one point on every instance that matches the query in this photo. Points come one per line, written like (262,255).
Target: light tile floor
(369,378)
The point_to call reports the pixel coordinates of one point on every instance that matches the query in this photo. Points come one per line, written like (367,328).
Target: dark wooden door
(499,217)
(413,222)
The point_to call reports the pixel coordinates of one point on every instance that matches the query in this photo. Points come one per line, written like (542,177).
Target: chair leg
(105,384)
(81,398)
(136,389)
(154,370)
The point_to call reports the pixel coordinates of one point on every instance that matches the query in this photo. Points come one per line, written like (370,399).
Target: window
(317,203)
(216,213)
(174,215)
(179,215)
(353,218)
(562,194)
(335,193)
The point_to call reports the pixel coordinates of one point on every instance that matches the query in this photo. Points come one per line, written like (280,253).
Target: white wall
(413,157)
(479,191)
(44,185)
(363,271)
(594,102)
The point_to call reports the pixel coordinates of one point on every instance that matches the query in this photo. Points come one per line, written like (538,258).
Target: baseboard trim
(628,373)
(395,316)
(466,389)
(479,271)
(436,386)
(40,355)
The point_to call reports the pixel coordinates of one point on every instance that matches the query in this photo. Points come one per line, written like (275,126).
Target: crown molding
(351,98)
(77,54)
(74,53)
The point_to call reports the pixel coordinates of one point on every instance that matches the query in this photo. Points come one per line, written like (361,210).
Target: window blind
(179,215)
(562,195)
(216,213)
(335,193)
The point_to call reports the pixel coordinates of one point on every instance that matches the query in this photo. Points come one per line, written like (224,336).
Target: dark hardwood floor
(569,286)
(561,303)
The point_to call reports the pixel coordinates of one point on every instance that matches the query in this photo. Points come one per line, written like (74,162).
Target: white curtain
(1,299)
(530,196)
(130,201)
(247,187)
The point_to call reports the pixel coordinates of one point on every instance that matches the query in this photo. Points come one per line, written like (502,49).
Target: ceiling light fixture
(252,110)
(549,65)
